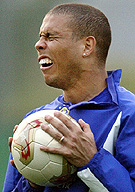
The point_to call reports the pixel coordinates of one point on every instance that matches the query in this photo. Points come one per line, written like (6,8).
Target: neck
(86,88)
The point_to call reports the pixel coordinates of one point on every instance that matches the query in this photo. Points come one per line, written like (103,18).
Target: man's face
(58,53)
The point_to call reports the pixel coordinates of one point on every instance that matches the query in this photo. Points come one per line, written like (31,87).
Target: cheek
(64,56)
(61,57)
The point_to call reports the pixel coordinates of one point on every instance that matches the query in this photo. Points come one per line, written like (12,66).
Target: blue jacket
(111,116)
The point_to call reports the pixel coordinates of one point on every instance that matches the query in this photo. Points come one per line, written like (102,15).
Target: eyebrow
(47,33)
(42,33)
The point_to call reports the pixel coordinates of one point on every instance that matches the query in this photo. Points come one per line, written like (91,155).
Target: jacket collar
(113,81)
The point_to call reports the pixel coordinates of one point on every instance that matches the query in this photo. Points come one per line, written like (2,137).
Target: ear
(90,43)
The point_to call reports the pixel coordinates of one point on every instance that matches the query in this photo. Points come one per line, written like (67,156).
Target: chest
(100,119)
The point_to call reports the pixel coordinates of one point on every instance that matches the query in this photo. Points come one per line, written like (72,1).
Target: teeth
(45,61)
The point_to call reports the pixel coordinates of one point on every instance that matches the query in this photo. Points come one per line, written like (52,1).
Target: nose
(40,45)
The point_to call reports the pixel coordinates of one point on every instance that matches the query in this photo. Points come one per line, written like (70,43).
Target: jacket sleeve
(116,172)
(15,182)
(11,178)
(23,185)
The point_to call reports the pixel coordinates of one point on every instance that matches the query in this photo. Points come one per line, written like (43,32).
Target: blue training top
(111,116)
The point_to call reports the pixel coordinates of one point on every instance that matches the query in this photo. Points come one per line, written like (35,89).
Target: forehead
(55,22)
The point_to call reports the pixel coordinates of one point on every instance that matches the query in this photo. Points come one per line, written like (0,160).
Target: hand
(10,139)
(36,186)
(78,146)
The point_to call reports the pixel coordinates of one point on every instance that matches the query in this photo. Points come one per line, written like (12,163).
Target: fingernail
(43,125)
(47,117)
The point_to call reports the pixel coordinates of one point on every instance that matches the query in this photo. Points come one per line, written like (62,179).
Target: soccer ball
(35,165)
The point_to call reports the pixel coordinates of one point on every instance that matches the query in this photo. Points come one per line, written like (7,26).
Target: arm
(11,178)
(120,166)
(109,170)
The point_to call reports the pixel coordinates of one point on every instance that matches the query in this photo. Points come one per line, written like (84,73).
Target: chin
(56,84)
(51,83)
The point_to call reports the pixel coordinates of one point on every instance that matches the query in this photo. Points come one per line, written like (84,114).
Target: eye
(48,36)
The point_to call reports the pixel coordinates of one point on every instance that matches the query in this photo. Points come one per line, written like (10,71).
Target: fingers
(10,143)
(52,132)
(67,120)
(85,126)
(78,143)
(53,150)
(59,123)
(15,128)
(10,139)
(12,163)
(64,125)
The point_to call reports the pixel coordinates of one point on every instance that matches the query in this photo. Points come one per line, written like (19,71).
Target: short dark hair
(86,20)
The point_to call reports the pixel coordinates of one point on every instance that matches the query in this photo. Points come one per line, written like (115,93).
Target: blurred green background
(22,86)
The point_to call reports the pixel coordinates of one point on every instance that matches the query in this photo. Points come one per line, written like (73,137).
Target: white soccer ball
(35,165)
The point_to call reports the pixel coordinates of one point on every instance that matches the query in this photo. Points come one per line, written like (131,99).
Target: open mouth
(46,62)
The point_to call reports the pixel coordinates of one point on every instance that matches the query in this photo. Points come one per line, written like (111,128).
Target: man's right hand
(10,139)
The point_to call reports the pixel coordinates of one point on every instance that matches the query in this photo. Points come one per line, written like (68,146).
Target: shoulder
(126,98)
(126,101)
(51,106)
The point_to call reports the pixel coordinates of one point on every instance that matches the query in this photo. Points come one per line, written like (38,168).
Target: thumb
(85,126)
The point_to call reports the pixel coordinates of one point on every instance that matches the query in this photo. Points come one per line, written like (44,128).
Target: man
(72,50)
